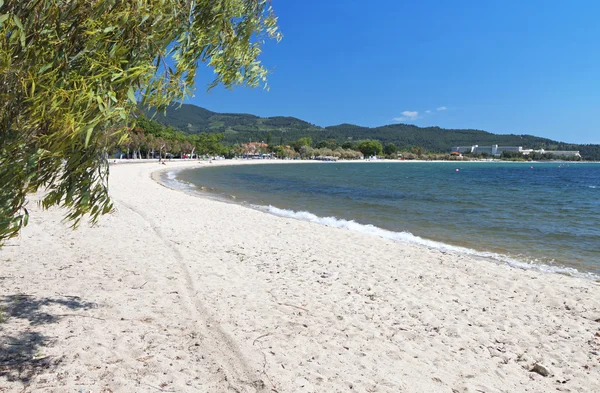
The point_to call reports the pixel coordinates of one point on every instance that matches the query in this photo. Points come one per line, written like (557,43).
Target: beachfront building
(497,151)
(493,150)
(255,150)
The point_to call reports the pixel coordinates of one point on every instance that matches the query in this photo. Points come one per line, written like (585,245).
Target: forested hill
(241,128)
(193,119)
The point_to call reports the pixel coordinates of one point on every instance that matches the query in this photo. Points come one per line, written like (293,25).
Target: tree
(306,141)
(370,147)
(390,149)
(208,143)
(512,155)
(417,150)
(329,144)
(279,151)
(74,71)
(269,138)
(306,151)
(187,148)
(137,141)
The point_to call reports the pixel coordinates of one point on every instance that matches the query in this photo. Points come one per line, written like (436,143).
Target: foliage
(302,142)
(194,120)
(73,71)
(349,145)
(308,152)
(536,156)
(512,156)
(417,150)
(284,152)
(370,147)
(329,144)
(150,139)
(209,143)
(390,149)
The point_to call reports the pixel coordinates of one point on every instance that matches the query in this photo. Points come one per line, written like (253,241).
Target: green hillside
(241,128)
(194,120)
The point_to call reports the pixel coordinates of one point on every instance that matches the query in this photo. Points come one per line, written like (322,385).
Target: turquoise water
(545,215)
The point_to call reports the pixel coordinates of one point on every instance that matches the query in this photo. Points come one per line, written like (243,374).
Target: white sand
(178,293)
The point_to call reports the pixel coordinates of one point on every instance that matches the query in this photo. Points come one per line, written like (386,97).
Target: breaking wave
(170,180)
(407,237)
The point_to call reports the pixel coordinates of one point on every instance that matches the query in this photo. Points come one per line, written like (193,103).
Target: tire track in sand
(234,366)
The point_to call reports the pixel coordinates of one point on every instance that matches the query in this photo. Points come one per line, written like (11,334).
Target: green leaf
(88,136)
(25,217)
(131,95)
(18,22)
(44,68)
(3,18)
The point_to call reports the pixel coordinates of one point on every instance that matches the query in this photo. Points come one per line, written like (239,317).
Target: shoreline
(371,230)
(179,293)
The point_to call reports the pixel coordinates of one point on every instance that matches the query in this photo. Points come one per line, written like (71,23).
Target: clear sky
(523,67)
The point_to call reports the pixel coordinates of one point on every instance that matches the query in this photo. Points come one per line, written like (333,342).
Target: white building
(493,150)
(497,151)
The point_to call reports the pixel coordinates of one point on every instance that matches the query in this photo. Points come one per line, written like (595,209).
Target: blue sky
(523,67)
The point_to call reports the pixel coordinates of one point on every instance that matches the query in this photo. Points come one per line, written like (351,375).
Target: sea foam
(170,180)
(407,237)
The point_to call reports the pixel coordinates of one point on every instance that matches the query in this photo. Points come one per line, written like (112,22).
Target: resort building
(496,150)
(493,150)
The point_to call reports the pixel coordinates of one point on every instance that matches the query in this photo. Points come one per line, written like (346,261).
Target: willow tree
(74,71)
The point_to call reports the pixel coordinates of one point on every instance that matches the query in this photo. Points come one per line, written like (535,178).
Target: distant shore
(237,161)
(178,293)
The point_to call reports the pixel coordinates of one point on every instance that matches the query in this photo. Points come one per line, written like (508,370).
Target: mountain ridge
(244,127)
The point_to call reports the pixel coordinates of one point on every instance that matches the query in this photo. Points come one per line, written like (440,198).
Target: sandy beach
(177,293)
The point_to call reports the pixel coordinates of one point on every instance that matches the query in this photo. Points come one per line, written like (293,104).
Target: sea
(543,216)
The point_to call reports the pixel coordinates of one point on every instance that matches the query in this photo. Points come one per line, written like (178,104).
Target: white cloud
(427,111)
(407,115)
(442,108)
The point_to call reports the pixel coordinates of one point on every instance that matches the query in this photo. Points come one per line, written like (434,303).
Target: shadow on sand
(21,346)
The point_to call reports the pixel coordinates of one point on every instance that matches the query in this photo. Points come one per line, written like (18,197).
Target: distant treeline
(243,128)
